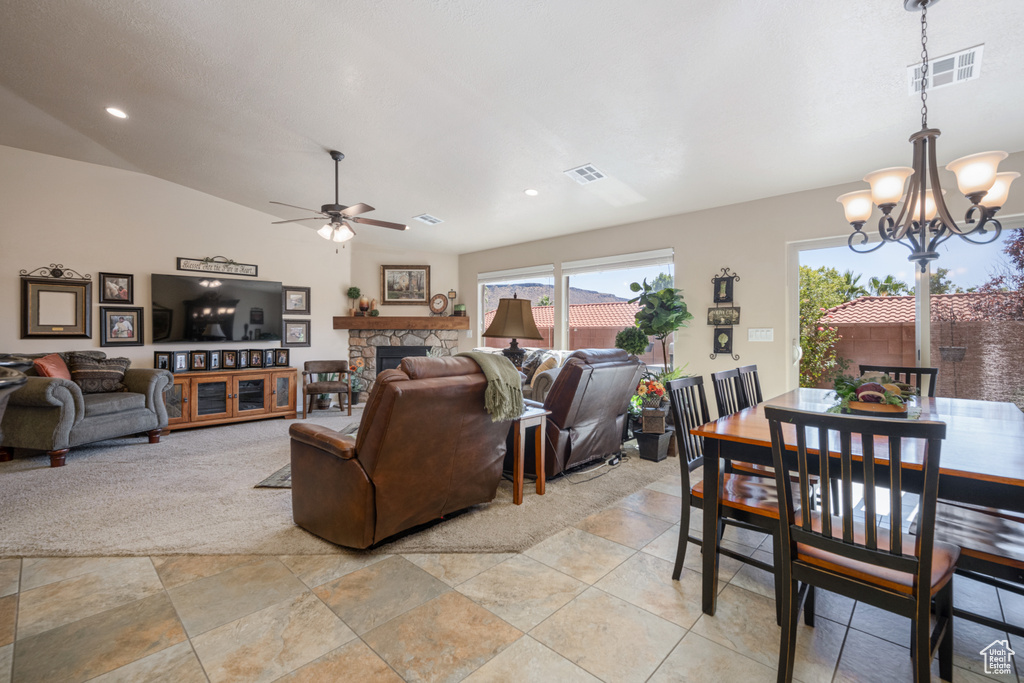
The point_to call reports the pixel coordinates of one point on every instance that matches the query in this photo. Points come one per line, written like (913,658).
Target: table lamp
(514,318)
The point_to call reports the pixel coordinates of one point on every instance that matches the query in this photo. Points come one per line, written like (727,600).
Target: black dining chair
(730,394)
(907,375)
(857,557)
(746,502)
(751,384)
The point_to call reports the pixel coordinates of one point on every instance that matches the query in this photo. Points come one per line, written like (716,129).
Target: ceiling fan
(339,217)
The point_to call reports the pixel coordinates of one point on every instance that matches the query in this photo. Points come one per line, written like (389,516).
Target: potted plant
(357,386)
(353,294)
(323,401)
(632,340)
(661,313)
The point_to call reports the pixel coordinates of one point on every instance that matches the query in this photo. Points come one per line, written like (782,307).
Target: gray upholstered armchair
(53,415)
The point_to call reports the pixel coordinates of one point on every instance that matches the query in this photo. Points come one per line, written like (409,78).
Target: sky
(969,264)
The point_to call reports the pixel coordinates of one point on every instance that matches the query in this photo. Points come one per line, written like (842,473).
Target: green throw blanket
(504,396)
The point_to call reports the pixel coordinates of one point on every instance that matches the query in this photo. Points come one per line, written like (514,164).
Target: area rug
(193,493)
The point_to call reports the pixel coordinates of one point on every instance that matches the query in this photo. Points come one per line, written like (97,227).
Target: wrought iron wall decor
(723,318)
(56,302)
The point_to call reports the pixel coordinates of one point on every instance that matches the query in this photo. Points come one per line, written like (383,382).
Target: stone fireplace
(363,348)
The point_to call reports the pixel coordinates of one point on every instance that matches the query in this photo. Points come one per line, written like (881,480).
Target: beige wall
(751,239)
(366,263)
(94,218)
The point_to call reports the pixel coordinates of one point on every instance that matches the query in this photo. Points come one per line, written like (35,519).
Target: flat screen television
(213,308)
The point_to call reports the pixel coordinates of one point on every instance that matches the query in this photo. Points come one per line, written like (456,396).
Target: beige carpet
(193,494)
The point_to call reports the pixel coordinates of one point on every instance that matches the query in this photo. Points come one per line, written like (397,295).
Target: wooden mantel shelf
(398,322)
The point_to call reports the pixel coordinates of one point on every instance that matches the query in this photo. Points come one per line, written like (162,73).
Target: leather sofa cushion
(52,366)
(119,402)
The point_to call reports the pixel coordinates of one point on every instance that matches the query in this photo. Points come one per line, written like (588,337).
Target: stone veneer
(362,349)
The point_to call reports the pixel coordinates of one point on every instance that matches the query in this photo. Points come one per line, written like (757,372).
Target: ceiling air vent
(585,174)
(428,219)
(947,70)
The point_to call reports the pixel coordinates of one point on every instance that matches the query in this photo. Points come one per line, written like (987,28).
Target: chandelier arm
(980,226)
(987,221)
(862,238)
(942,211)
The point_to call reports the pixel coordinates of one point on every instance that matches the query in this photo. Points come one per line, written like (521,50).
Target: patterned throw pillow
(533,360)
(98,375)
(550,362)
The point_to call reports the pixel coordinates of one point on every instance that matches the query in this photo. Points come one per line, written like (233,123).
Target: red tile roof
(614,314)
(900,309)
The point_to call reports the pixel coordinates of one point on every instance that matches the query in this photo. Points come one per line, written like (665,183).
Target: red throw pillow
(52,366)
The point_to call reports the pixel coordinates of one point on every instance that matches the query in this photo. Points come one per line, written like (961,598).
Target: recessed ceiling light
(114,111)
(531,192)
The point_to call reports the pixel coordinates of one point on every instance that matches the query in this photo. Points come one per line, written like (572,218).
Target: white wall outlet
(760,334)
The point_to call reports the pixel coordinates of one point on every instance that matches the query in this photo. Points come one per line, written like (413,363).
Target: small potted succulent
(353,294)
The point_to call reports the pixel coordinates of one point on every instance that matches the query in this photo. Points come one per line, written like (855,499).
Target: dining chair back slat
(907,375)
(689,410)
(751,384)
(730,395)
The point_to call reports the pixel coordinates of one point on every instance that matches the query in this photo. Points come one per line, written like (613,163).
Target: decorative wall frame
(217,264)
(296,333)
(56,302)
(405,285)
(723,318)
(179,361)
(117,288)
(122,326)
(295,300)
(162,360)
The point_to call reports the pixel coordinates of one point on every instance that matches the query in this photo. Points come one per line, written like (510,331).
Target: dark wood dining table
(982,460)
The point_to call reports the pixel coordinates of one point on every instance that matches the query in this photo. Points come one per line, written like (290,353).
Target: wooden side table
(531,417)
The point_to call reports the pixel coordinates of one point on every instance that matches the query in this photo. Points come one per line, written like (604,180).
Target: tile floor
(592,603)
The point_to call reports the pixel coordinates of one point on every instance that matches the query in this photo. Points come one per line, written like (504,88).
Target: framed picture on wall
(121,326)
(296,333)
(54,307)
(405,285)
(117,288)
(295,300)
(723,340)
(723,316)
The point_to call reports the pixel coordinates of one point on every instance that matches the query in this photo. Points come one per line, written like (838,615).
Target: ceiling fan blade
(357,209)
(296,220)
(301,208)
(380,224)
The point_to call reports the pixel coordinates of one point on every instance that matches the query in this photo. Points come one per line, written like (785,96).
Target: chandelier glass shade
(923,220)
(337,231)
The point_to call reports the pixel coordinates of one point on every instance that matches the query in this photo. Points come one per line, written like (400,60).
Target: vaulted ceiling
(454,107)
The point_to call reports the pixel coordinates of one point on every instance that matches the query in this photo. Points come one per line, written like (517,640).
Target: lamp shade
(857,206)
(513,319)
(976,172)
(996,197)
(887,184)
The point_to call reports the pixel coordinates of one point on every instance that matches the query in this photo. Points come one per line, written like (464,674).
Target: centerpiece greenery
(875,388)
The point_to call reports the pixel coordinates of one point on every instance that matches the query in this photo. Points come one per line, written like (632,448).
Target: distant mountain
(534,291)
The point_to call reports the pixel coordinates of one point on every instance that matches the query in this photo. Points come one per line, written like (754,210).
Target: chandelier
(924,222)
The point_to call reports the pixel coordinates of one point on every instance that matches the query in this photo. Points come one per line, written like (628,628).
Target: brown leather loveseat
(588,401)
(426,447)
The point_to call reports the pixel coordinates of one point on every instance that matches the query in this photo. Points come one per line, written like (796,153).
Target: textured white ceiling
(453,107)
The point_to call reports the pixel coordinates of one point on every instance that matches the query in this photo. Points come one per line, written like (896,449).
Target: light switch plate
(760,334)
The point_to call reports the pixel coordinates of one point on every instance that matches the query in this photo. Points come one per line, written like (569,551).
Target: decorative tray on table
(874,395)
(877,409)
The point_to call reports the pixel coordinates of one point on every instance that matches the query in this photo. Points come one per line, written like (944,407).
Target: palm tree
(851,286)
(890,286)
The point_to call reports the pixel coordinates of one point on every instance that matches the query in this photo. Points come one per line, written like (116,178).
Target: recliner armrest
(324,438)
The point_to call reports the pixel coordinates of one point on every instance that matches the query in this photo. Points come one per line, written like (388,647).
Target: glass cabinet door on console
(211,398)
(176,399)
(282,392)
(251,394)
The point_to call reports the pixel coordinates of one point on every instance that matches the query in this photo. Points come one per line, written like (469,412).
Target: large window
(536,284)
(976,328)
(598,294)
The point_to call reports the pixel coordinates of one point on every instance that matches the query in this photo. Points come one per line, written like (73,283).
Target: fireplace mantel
(398,322)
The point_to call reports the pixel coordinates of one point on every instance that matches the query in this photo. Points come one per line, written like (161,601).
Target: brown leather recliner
(426,447)
(588,402)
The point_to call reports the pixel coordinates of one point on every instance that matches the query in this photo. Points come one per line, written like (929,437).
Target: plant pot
(953,354)
(322,403)
(654,447)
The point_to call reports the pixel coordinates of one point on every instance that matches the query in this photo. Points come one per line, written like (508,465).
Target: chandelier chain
(924,64)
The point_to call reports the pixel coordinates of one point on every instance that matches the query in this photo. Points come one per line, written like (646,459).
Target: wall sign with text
(217,264)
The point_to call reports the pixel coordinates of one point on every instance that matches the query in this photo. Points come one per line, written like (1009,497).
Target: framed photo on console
(214,360)
(256,358)
(121,326)
(282,358)
(268,358)
(199,361)
(179,361)
(162,360)
(243,359)
(117,288)
(229,359)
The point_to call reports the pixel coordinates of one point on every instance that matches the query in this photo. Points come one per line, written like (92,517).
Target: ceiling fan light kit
(338,227)
(924,222)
